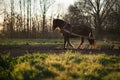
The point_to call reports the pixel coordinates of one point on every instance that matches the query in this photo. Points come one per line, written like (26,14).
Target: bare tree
(113,19)
(30,15)
(77,14)
(20,4)
(28,5)
(21,16)
(1,8)
(24,5)
(12,19)
(99,9)
(45,5)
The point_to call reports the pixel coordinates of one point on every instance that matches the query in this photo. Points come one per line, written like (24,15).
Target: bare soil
(19,50)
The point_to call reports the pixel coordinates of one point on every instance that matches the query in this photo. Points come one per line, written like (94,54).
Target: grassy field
(46,41)
(30,41)
(64,66)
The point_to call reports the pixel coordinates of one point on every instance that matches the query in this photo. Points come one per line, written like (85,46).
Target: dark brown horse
(68,31)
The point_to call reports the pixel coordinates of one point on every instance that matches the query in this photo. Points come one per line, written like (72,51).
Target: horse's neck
(64,25)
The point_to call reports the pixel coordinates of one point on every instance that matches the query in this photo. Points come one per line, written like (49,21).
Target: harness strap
(65,25)
(70,32)
(77,34)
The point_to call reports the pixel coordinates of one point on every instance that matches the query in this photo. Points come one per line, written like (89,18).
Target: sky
(65,3)
(61,6)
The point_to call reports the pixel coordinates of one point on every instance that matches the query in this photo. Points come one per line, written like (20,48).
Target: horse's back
(81,30)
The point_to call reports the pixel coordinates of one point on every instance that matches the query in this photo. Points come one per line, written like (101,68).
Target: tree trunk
(12,20)
(28,12)
(44,22)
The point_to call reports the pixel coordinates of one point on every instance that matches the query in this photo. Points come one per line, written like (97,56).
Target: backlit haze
(59,7)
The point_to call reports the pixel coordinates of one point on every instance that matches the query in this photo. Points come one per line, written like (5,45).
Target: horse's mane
(60,21)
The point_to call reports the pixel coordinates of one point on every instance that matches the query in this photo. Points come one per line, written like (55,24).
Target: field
(47,60)
(64,66)
(18,47)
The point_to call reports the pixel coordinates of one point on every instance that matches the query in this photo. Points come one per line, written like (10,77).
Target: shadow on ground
(19,50)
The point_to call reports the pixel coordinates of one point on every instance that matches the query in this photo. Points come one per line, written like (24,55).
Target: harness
(74,34)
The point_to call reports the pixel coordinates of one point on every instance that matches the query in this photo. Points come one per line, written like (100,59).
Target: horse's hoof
(78,47)
(73,48)
(64,48)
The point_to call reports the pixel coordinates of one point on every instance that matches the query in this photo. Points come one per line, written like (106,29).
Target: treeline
(28,18)
(19,28)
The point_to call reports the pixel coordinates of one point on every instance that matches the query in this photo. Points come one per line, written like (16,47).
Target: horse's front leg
(68,41)
(65,41)
(82,41)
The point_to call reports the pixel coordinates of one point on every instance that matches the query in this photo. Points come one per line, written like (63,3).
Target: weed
(64,66)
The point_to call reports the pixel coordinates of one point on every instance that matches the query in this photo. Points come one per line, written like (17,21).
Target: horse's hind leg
(82,40)
(92,43)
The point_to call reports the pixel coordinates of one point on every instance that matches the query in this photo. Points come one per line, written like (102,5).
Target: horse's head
(58,24)
(54,24)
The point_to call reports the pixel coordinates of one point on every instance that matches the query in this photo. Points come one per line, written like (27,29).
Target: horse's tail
(91,34)
(92,40)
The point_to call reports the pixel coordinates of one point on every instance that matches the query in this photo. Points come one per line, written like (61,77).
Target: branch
(108,11)
(1,13)
(45,5)
(92,5)
(102,4)
(105,7)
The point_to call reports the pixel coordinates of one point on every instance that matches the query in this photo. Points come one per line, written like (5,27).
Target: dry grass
(65,66)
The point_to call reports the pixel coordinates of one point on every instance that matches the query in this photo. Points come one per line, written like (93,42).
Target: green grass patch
(30,41)
(52,42)
(64,66)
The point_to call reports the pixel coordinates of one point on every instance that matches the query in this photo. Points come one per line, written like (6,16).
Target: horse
(82,31)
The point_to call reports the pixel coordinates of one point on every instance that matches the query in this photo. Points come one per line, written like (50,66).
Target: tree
(1,8)
(21,20)
(11,29)
(77,15)
(100,9)
(28,16)
(113,19)
(24,10)
(21,16)
(45,5)
(97,9)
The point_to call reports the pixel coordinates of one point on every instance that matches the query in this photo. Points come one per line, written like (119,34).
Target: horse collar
(65,25)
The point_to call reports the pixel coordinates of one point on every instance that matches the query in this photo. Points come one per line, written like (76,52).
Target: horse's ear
(54,18)
(58,16)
